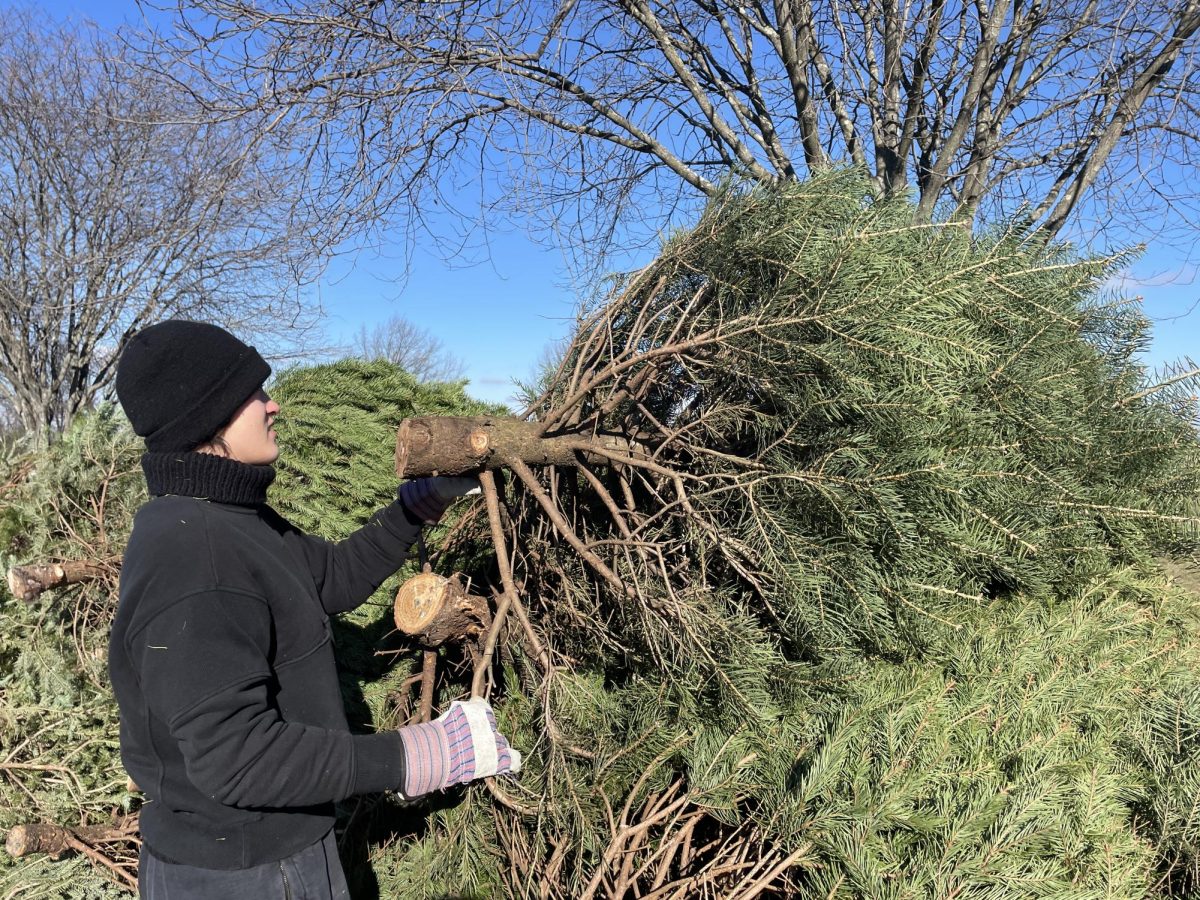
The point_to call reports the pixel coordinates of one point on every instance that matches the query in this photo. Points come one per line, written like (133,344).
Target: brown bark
(457,445)
(27,582)
(57,841)
(433,610)
(428,682)
(1127,107)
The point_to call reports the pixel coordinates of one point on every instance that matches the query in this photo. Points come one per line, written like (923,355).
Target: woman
(220,655)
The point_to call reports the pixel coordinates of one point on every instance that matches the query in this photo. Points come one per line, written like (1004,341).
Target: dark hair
(215,445)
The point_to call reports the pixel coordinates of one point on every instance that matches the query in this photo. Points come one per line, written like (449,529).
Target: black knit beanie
(180,382)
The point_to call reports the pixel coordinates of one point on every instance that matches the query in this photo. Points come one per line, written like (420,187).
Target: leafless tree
(10,425)
(120,206)
(603,115)
(410,347)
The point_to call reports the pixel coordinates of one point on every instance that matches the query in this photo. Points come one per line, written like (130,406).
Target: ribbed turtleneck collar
(207,477)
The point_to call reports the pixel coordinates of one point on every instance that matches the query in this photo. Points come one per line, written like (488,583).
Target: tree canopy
(120,205)
(607,114)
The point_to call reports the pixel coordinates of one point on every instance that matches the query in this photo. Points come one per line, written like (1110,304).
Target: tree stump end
(434,609)
(36,838)
(18,586)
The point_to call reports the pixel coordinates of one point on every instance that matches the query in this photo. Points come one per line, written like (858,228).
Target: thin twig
(488,485)
(124,879)
(428,680)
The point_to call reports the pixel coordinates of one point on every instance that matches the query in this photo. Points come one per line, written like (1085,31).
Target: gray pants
(314,873)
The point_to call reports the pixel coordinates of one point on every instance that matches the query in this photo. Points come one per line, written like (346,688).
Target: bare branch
(120,205)
(605,116)
(410,347)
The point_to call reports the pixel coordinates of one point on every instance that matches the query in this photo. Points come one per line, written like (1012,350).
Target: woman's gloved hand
(458,746)
(429,498)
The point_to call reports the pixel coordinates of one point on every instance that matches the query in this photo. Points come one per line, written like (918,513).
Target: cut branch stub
(433,609)
(28,582)
(459,445)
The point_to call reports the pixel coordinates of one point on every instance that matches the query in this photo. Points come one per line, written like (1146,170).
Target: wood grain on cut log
(433,609)
(28,582)
(459,445)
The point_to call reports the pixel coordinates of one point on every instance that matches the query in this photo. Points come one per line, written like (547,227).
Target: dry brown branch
(564,528)
(428,682)
(124,877)
(483,665)
(56,841)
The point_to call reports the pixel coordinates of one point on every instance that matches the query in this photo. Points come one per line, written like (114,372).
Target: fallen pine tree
(872,611)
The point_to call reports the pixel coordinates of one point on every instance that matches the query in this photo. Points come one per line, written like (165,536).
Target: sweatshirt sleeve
(202,664)
(348,572)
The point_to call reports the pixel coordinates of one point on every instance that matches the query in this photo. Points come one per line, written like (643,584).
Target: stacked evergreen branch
(58,721)
(869,420)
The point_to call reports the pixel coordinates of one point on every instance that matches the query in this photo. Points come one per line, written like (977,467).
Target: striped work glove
(458,746)
(429,498)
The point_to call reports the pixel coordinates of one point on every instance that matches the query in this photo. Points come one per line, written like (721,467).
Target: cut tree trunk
(460,445)
(57,841)
(432,610)
(27,582)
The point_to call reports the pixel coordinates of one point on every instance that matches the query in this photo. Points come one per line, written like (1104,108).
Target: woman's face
(249,435)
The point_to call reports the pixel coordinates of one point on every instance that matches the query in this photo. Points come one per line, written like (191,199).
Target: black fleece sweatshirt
(220,657)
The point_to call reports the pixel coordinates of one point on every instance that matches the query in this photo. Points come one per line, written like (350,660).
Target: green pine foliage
(58,722)
(907,631)
(912,642)
(75,499)
(337,435)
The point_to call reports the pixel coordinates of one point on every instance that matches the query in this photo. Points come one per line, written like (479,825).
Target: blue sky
(499,315)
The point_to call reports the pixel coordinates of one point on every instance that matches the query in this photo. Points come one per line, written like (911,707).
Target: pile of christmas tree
(869,605)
